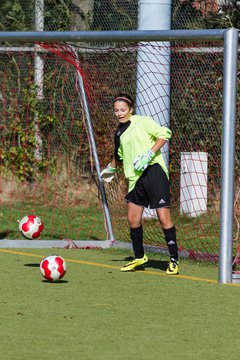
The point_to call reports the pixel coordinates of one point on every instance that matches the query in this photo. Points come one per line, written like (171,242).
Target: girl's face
(122,111)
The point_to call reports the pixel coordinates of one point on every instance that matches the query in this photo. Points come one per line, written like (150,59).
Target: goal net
(46,157)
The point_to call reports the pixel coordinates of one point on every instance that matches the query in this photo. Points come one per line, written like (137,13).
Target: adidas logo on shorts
(162,201)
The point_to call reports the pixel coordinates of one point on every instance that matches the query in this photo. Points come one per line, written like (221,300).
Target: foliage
(190,14)
(59,15)
(193,14)
(118,15)
(16,15)
(228,16)
(21,136)
(184,16)
(197,84)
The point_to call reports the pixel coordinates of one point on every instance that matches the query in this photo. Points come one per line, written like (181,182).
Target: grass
(198,236)
(97,312)
(76,223)
(73,223)
(201,233)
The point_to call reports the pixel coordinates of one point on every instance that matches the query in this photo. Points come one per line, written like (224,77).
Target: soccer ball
(31,226)
(53,267)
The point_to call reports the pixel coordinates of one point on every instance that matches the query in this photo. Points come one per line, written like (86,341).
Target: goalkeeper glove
(108,173)
(142,161)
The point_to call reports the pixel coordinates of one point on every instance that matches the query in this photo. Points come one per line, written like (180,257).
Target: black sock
(170,237)
(137,241)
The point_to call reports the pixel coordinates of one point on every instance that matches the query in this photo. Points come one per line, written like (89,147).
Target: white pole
(38,63)
(38,71)
(153,68)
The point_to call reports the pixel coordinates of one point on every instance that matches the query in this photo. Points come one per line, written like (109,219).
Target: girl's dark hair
(124,97)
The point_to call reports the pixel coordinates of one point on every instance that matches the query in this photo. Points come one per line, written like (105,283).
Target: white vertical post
(153,68)
(38,62)
(38,71)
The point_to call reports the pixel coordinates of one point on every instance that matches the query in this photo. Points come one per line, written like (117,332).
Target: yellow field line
(147,272)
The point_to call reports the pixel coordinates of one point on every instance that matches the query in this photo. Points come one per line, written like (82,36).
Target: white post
(38,71)
(39,26)
(153,68)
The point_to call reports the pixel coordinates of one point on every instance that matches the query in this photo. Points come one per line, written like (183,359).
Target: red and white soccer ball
(31,226)
(53,267)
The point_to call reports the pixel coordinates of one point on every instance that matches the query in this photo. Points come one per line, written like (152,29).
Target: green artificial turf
(97,312)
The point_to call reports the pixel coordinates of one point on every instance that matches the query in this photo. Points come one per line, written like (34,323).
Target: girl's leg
(136,232)
(169,230)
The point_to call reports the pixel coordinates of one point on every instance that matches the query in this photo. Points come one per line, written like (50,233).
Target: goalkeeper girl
(138,141)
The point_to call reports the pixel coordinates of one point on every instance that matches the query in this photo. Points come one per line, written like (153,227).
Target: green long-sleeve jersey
(135,138)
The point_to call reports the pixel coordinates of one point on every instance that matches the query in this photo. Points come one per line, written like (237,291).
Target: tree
(228,15)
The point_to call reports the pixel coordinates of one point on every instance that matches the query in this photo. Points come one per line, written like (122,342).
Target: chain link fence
(64,15)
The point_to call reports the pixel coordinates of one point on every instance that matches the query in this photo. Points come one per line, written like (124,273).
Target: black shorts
(151,189)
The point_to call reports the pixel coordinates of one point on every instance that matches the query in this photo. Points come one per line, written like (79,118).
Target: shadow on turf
(55,282)
(32,265)
(4,234)
(46,281)
(155,264)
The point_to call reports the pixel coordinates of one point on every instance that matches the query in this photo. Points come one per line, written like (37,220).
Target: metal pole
(95,157)
(108,36)
(228,152)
